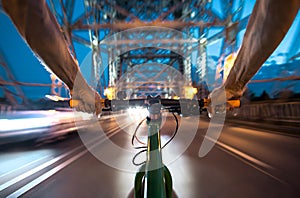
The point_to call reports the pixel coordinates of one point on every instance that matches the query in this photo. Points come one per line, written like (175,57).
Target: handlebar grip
(234,103)
(73,103)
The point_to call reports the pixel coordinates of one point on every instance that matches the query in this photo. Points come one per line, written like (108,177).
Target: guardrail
(5,108)
(287,111)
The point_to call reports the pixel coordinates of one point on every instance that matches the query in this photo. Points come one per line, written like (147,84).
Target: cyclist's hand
(87,100)
(221,96)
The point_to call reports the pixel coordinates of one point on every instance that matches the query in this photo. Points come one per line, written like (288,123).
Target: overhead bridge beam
(150,56)
(145,41)
(136,24)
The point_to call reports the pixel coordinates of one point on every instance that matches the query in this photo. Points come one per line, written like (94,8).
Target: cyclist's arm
(39,28)
(268,24)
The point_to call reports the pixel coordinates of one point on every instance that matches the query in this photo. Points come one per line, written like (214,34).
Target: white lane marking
(49,163)
(255,166)
(251,161)
(21,167)
(48,174)
(102,118)
(45,176)
(36,169)
(241,154)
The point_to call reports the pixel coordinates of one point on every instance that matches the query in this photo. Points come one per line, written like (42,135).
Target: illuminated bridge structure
(193,37)
(139,48)
(117,25)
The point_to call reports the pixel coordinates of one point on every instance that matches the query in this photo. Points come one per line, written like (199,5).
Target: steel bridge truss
(9,85)
(101,23)
(162,79)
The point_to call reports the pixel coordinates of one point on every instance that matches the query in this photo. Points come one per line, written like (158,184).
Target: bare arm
(39,28)
(268,24)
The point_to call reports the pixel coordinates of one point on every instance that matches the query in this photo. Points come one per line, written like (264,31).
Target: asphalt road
(244,162)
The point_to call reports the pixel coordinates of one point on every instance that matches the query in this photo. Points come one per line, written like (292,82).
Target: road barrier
(269,111)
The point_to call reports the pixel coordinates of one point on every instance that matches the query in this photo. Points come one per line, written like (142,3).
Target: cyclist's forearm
(39,28)
(267,26)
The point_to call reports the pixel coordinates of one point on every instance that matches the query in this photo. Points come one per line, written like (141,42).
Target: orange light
(234,103)
(74,103)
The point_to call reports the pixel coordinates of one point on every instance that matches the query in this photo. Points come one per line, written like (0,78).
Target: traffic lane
(87,177)
(215,175)
(260,140)
(221,175)
(21,157)
(26,181)
(20,161)
(114,178)
(278,152)
(218,174)
(121,151)
(14,155)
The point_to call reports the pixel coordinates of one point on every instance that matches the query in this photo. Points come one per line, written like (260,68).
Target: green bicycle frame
(154,178)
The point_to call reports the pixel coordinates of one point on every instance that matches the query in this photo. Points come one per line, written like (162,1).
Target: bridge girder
(101,19)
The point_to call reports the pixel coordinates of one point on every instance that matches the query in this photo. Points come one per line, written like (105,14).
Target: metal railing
(288,111)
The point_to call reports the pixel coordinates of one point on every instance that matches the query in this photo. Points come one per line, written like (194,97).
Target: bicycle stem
(154,175)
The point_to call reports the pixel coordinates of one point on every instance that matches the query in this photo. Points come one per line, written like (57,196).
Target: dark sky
(23,63)
(21,60)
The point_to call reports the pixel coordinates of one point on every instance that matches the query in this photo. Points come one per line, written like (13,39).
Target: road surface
(245,162)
